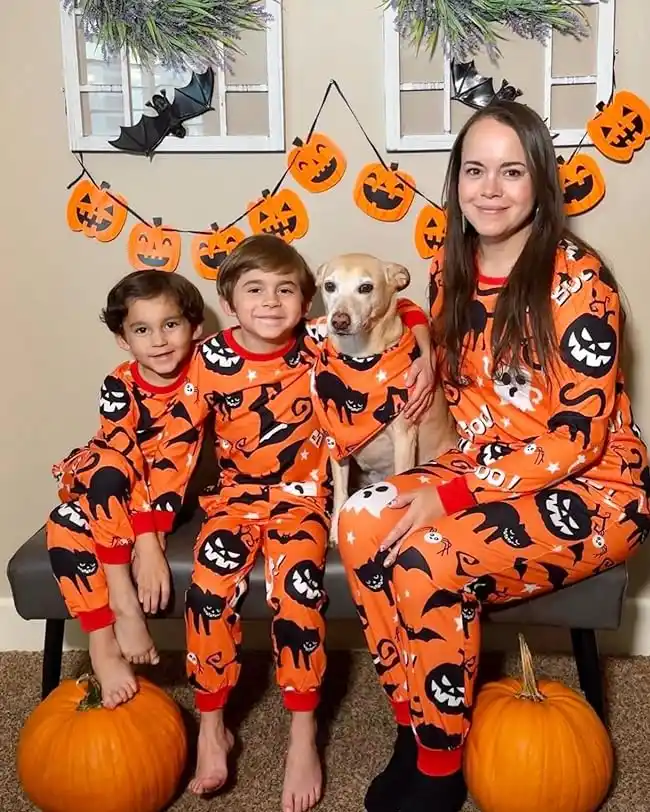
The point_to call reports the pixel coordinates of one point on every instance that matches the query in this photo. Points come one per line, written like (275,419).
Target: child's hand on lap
(151,573)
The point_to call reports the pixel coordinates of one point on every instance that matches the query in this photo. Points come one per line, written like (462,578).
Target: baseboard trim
(632,639)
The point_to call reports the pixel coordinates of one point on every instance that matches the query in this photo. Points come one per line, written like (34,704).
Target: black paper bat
(477,91)
(189,102)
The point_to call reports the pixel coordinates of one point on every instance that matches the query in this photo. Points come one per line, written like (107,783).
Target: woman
(548,484)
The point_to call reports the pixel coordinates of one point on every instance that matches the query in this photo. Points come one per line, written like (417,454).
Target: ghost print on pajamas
(548,485)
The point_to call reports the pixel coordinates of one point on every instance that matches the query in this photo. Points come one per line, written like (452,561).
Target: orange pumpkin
(582,182)
(95,212)
(317,165)
(620,128)
(536,746)
(208,252)
(383,192)
(76,756)
(430,230)
(154,247)
(283,215)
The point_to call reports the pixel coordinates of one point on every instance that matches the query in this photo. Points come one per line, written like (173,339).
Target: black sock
(435,793)
(387,789)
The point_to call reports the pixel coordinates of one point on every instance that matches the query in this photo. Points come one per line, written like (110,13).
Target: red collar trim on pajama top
(232,342)
(143,383)
(355,398)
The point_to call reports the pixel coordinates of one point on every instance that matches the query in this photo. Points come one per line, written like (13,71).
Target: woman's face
(495,189)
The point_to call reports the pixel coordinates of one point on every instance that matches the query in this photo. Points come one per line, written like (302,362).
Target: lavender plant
(175,33)
(469,25)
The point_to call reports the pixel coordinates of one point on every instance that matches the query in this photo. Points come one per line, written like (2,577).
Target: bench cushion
(595,603)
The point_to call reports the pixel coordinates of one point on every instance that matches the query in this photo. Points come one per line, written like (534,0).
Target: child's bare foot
(115,675)
(131,630)
(303,775)
(133,637)
(215,742)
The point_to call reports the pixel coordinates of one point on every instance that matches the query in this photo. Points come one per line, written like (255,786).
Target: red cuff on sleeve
(118,554)
(455,495)
(163,520)
(143,522)
(413,318)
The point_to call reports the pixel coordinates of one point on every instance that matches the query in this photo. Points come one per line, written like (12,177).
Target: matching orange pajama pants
(421,617)
(291,532)
(91,527)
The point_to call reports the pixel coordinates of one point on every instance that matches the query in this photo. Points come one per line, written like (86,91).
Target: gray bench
(583,608)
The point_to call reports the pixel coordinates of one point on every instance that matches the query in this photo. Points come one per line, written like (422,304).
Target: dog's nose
(340,321)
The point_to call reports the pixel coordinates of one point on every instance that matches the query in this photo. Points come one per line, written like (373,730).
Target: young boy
(273,497)
(116,507)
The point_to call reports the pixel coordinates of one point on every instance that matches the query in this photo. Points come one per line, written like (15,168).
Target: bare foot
(303,775)
(131,629)
(215,742)
(115,675)
(133,637)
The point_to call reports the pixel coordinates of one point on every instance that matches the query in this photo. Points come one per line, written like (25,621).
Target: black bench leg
(52,654)
(585,651)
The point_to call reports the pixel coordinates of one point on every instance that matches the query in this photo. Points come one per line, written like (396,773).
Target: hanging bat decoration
(189,102)
(477,91)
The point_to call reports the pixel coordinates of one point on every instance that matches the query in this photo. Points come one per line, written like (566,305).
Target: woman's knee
(365,520)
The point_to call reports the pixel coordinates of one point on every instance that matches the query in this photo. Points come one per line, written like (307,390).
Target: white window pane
(93,69)
(419,67)
(573,57)
(102,113)
(249,68)
(572,106)
(247,113)
(422,111)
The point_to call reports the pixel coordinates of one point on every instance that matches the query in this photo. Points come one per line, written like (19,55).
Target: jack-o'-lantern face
(208,252)
(620,128)
(283,215)
(430,230)
(589,345)
(317,165)
(95,212)
(154,246)
(383,192)
(582,182)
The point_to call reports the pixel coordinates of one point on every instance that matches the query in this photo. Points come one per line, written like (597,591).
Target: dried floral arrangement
(179,34)
(469,25)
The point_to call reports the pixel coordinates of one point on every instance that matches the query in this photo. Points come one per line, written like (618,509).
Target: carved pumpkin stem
(93,697)
(529,689)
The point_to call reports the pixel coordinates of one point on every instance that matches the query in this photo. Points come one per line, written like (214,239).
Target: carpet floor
(357,727)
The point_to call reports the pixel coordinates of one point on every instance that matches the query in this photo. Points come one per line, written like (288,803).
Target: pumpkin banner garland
(154,246)
(582,182)
(381,190)
(95,212)
(209,252)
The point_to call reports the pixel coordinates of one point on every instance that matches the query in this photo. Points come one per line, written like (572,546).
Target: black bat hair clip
(477,91)
(189,102)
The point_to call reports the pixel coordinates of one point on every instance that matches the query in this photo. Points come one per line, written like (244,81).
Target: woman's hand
(420,377)
(424,509)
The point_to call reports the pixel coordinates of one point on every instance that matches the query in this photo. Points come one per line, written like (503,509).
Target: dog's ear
(320,273)
(397,275)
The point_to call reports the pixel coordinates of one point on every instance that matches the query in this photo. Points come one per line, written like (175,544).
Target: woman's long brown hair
(523,321)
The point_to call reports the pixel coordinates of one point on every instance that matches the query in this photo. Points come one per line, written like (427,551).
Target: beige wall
(54,350)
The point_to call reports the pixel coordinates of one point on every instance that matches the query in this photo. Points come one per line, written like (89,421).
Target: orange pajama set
(273,498)
(549,485)
(117,487)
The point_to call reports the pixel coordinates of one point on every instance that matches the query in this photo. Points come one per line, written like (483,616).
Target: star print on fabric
(553,468)
(252,374)
(350,537)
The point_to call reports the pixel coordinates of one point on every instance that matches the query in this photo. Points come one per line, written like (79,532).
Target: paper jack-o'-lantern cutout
(317,165)
(154,247)
(383,192)
(95,212)
(430,230)
(582,182)
(620,128)
(283,215)
(208,252)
